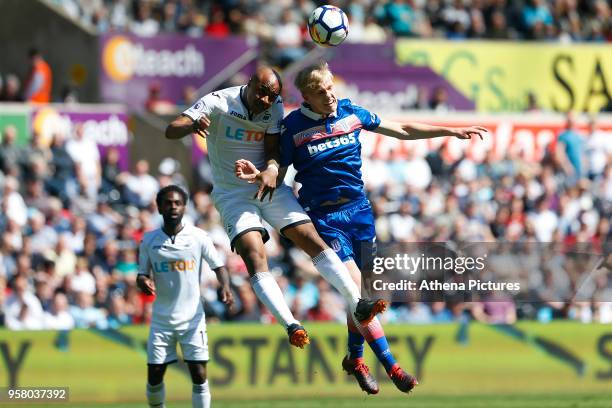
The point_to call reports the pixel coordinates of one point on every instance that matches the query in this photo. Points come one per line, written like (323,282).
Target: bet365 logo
(331,143)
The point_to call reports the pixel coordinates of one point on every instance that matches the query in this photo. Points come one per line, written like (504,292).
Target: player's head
(171,201)
(316,83)
(263,89)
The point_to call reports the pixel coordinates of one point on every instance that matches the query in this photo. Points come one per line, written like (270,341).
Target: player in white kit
(243,122)
(170,264)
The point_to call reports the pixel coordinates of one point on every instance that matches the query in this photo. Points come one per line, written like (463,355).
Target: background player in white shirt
(243,122)
(170,264)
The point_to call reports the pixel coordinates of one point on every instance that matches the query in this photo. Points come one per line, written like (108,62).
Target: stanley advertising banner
(254,361)
(499,75)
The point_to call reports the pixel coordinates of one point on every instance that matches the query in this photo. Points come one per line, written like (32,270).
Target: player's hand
(468,132)
(145,284)
(200,126)
(227,297)
(245,170)
(267,183)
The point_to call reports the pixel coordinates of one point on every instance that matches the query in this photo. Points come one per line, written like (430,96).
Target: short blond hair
(312,76)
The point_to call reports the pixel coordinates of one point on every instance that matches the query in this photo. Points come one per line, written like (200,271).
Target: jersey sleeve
(209,252)
(278,111)
(144,262)
(287,146)
(369,120)
(204,106)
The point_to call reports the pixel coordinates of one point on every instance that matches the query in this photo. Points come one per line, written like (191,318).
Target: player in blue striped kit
(321,140)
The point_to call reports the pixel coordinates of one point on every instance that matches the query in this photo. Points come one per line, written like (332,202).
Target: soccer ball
(328,26)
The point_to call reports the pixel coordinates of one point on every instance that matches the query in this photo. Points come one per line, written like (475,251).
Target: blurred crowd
(565,199)
(72,220)
(280,25)
(279,28)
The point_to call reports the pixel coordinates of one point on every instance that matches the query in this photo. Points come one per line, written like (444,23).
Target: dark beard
(172,223)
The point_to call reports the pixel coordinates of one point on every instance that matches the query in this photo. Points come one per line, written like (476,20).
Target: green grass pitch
(416,401)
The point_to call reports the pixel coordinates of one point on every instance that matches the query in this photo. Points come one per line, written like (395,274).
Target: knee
(198,373)
(318,244)
(254,256)
(309,240)
(156,373)
(198,379)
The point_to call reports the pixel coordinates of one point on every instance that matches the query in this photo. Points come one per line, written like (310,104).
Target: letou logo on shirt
(245,135)
(123,58)
(174,266)
(241,130)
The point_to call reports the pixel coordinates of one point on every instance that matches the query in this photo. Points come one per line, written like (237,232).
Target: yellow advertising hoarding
(255,362)
(498,75)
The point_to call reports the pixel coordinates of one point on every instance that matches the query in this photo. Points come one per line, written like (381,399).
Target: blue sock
(380,347)
(355,344)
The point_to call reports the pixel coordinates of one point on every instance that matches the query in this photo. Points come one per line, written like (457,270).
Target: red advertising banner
(527,136)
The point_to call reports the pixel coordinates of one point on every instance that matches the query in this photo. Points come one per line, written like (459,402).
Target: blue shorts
(348,230)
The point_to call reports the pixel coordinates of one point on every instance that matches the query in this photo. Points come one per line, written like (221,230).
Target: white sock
(335,272)
(200,396)
(156,394)
(270,294)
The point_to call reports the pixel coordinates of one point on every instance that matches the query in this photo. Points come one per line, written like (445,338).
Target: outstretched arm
(414,131)
(184,125)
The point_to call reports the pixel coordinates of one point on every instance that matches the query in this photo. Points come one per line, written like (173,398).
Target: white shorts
(241,213)
(161,346)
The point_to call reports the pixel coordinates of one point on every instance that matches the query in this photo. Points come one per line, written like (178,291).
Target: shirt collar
(306,111)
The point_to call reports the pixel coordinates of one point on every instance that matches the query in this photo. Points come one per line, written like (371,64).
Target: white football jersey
(175,264)
(234,132)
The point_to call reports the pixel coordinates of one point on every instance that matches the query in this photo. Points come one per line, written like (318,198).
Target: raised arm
(183,125)
(414,131)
